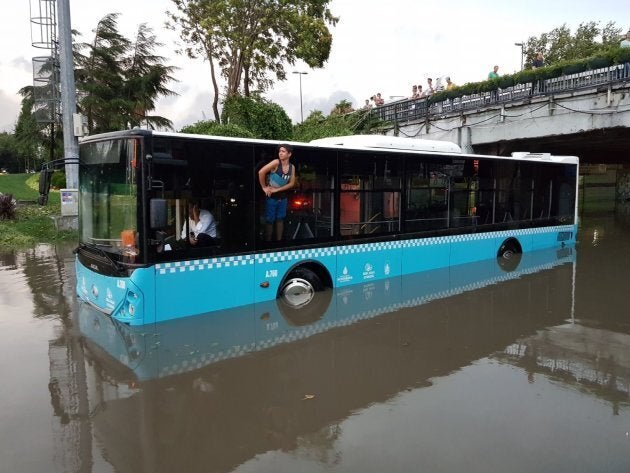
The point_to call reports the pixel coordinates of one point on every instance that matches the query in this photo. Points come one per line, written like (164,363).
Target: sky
(377,47)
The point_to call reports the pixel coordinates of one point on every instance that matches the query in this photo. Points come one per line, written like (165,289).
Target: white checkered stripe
(296,334)
(482,236)
(534,231)
(203,264)
(205,359)
(316,253)
(369,314)
(416,301)
(369,247)
(296,255)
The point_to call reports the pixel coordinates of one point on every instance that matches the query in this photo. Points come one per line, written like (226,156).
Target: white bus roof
(382,142)
(389,142)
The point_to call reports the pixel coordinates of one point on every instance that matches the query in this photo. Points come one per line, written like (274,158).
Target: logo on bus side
(109,299)
(345,276)
(368,271)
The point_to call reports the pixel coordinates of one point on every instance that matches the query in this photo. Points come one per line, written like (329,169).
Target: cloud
(186,110)
(21,63)
(326,104)
(9,109)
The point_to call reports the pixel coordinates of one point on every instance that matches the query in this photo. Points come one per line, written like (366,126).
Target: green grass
(25,187)
(34,223)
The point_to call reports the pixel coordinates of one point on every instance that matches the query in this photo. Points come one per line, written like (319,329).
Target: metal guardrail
(419,109)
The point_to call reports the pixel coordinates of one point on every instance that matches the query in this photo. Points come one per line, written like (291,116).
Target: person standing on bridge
(492,75)
(625,43)
(538,62)
(429,90)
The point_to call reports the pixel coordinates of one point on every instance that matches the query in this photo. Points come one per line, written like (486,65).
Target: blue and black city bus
(364,208)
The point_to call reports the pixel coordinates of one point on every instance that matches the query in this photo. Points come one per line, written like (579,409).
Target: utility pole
(522,46)
(68,94)
(301,109)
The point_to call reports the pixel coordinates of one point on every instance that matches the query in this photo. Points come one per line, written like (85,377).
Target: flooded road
(476,369)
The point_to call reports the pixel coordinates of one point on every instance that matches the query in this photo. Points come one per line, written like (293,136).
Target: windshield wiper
(108,259)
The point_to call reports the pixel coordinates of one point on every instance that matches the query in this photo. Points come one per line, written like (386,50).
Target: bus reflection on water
(236,380)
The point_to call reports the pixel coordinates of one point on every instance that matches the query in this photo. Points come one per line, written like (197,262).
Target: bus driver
(201,225)
(276,178)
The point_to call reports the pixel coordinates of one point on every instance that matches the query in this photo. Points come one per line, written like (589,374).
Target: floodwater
(480,369)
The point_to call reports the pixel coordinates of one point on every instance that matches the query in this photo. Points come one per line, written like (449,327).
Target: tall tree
(9,159)
(146,77)
(119,80)
(560,44)
(342,108)
(100,77)
(250,42)
(31,137)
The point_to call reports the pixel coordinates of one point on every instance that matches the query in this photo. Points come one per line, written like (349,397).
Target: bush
(505,81)
(597,62)
(58,180)
(487,85)
(438,97)
(265,119)
(619,55)
(7,207)
(574,68)
(210,127)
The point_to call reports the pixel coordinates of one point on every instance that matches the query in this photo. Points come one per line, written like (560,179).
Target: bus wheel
(302,298)
(509,255)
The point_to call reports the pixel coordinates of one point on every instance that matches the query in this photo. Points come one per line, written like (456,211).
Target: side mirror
(44,186)
(158,213)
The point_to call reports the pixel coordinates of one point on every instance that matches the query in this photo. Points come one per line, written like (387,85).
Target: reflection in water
(45,272)
(222,390)
(41,285)
(590,359)
(211,392)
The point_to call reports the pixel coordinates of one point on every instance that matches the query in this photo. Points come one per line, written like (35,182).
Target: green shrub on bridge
(615,55)
(619,55)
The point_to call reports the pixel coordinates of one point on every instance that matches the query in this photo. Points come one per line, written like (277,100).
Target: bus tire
(509,255)
(303,299)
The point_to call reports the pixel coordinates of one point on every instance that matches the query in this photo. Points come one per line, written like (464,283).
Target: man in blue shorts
(276,178)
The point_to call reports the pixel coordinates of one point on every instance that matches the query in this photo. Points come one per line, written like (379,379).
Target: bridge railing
(418,109)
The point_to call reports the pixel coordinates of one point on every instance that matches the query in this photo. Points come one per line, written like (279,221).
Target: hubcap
(298,292)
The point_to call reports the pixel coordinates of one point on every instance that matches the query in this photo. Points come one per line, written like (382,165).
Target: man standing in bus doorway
(276,178)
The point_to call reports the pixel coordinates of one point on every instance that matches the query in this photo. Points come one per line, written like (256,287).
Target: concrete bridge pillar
(622,193)
(464,139)
(622,190)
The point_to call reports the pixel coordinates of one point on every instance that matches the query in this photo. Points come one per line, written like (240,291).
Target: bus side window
(370,194)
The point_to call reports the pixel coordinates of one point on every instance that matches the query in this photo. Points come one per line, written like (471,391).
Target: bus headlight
(133,303)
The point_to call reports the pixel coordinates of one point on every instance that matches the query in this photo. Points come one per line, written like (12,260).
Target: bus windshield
(109,195)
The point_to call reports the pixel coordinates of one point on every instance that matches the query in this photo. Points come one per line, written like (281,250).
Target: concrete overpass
(585,114)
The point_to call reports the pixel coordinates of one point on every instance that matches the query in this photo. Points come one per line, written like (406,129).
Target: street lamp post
(301,109)
(522,45)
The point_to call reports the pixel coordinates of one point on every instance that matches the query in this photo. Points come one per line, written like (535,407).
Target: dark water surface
(477,369)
